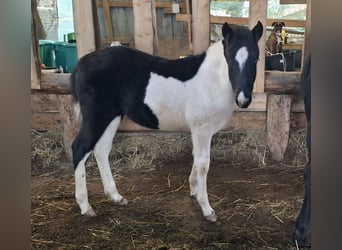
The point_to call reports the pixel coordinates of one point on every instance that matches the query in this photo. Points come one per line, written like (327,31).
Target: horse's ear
(282,23)
(274,23)
(227,31)
(257,31)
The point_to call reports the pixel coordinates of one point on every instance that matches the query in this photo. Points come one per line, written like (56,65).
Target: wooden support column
(307,35)
(85,40)
(70,124)
(143,25)
(278,124)
(84,26)
(35,69)
(35,62)
(200,25)
(258,12)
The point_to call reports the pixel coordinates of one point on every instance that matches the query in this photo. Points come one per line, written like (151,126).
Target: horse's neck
(215,61)
(214,70)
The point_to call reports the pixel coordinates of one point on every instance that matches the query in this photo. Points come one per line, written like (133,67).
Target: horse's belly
(166,97)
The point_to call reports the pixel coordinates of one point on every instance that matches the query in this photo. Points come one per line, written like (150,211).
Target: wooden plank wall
(116,21)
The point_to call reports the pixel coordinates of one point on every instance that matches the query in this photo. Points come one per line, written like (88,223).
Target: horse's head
(242,54)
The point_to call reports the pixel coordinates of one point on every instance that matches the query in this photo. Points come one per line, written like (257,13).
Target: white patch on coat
(206,100)
(241,57)
(81,192)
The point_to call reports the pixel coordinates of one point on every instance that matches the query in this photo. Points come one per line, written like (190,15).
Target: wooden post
(84,26)
(35,69)
(35,62)
(143,25)
(200,25)
(307,36)
(188,24)
(278,124)
(85,40)
(70,125)
(155,27)
(258,12)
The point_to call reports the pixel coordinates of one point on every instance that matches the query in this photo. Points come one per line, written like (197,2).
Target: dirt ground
(256,199)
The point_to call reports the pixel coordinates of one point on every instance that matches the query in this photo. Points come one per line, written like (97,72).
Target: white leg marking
(201,143)
(101,151)
(241,57)
(81,193)
(193,181)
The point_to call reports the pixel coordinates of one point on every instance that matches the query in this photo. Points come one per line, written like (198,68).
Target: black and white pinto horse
(197,93)
(303,224)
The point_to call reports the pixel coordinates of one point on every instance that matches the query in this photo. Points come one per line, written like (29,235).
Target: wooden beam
(230,20)
(128,4)
(258,12)
(55,83)
(278,82)
(84,26)
(200,25)
(293,1)
(243,20)
(143,28)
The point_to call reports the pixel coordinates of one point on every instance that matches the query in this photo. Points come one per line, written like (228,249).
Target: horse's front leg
(198,177)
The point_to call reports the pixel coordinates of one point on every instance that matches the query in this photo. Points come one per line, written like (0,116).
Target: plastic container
(66,56)
(71,37)
(281,62)
(46,53)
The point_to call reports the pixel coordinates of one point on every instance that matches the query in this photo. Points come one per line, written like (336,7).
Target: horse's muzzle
(242,101)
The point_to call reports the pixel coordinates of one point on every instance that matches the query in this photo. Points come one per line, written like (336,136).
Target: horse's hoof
(300,239)
(123,202)
(212,217)
(90,213)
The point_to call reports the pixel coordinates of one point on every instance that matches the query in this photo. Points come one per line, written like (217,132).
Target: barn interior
(65,30)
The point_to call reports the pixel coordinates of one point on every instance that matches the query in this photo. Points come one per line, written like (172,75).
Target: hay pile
(148,149)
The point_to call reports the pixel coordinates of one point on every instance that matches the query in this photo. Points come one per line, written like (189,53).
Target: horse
(196,93)
(303,222)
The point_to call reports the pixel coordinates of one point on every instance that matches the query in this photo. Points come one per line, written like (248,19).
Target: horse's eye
(256,60)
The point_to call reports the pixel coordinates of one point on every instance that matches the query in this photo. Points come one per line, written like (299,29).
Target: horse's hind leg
(101,152)
(81,149)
